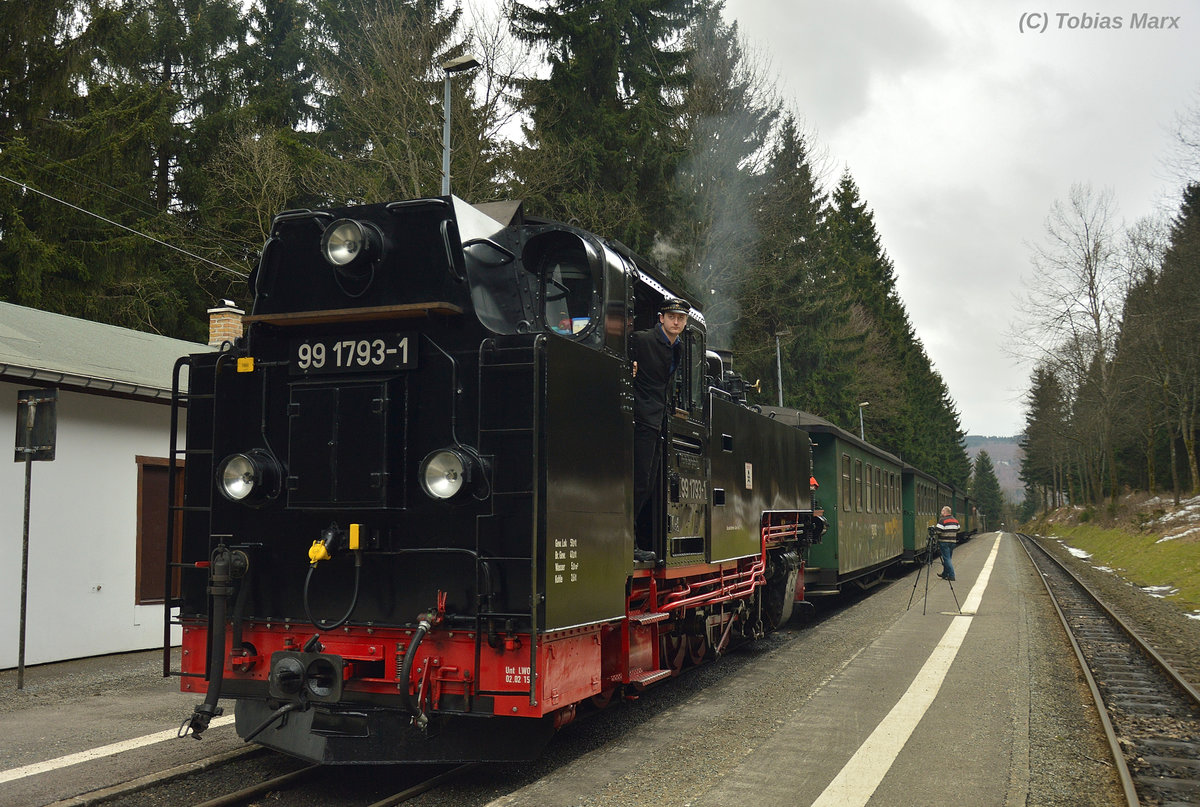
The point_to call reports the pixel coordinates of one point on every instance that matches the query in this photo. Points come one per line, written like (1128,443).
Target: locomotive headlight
(444,472)
(349,243)
(449,471)
(252,477)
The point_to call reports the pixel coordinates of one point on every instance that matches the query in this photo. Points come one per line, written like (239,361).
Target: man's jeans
(947,548)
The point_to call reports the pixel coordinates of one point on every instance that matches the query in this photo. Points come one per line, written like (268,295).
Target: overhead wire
(28,187)
(114,195)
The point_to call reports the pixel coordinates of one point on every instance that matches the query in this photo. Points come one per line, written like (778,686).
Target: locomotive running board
(647,677)
(649,617)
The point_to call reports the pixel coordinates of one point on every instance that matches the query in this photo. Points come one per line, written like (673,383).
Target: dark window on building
(152,528)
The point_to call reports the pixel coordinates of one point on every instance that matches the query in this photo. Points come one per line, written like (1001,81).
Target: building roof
(55,350)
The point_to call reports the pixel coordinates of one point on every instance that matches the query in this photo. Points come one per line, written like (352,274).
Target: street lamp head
(460,63)
(864,403)
(455,65)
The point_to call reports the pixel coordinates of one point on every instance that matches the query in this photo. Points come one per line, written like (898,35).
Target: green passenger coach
(860,493)
(923,498)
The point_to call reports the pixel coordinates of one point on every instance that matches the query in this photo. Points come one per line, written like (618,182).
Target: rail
(1140,698)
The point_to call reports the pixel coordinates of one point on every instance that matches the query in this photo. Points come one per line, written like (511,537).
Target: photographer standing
(947,534)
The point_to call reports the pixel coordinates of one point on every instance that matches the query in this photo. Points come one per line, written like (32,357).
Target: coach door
(686,459)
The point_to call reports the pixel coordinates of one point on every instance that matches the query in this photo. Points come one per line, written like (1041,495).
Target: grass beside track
(1141,559)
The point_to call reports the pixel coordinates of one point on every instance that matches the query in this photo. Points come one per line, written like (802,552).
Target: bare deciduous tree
(1074,316)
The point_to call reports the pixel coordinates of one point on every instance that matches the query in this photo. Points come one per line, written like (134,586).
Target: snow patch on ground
(1181,522)
(1173,536)
(1160,592)
(1079,553)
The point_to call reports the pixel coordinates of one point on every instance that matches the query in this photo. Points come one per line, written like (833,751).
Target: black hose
(220,587)
(414,707)
(326,626)
(274,716)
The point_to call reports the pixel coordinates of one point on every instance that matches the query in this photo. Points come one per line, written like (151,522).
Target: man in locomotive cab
(656,354)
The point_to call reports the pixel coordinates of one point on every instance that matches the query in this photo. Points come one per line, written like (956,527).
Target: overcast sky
(961,132)
(963,121)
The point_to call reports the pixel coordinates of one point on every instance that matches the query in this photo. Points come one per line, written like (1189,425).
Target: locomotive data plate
(351,354)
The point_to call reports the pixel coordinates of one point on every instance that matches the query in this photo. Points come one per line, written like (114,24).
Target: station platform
(82,726)
(966,695)
(930,713)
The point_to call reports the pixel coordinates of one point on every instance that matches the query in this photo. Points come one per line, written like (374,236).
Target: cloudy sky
(962,130)
(963,121)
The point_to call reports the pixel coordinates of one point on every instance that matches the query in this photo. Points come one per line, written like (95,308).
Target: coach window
(847,489)
(858,486)
(867,499)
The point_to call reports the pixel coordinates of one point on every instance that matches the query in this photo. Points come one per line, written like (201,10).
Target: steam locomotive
(407,525)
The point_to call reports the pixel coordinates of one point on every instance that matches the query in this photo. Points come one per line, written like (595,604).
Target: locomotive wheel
(680,651)
(675,651)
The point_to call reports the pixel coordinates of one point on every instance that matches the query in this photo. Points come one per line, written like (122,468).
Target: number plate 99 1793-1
(349,354)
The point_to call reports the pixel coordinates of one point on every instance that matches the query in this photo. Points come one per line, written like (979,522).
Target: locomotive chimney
(224,323)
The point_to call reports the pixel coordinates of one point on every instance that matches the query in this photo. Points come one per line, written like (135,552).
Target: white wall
(82,530)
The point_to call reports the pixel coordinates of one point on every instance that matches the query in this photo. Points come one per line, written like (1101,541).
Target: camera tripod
(931,547)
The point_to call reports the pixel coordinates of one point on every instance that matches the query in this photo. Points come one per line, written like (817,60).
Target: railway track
(1150,712)
(279,786)
(255,776)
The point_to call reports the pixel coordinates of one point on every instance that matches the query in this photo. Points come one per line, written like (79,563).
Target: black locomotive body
(407,532)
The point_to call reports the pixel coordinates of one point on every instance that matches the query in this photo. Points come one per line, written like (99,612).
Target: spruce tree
(1043,446)
(911,411)
(985,489)
(1181,281)
(790,291)
(45,52)
(604,138)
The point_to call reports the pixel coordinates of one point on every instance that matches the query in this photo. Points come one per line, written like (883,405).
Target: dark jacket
(657,361)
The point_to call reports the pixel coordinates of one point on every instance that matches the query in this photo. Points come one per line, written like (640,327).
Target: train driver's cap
(674,304)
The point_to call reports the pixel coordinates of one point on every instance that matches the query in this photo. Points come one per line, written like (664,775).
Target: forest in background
(1114,326)
(146,144)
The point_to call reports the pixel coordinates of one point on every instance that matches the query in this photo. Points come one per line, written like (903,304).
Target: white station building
(97,513)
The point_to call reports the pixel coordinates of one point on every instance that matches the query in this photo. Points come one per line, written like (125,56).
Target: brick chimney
(224,323)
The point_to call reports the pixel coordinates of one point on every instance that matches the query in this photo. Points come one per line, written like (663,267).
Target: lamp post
(862,435)
(779,361)
(456,65)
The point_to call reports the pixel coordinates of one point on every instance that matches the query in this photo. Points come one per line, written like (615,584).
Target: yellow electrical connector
(317,553)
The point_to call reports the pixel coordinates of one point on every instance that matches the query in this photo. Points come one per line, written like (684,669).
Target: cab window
(568,284)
